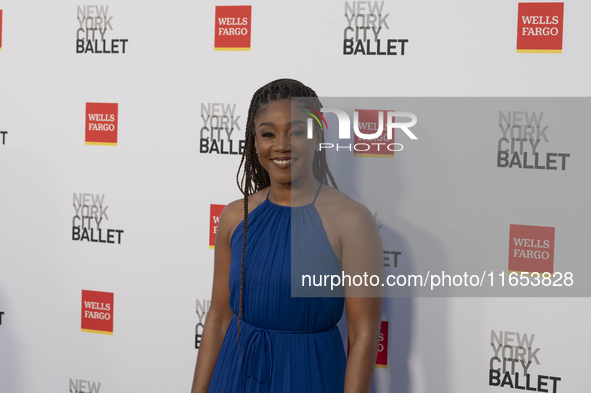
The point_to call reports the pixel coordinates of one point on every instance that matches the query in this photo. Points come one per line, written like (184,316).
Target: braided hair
(254,176)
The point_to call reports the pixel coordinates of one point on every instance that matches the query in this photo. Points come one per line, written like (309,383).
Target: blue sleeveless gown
(288,344)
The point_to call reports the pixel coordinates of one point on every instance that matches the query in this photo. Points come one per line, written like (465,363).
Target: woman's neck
(294,194)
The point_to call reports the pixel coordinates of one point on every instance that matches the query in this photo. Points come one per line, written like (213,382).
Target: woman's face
(282,144)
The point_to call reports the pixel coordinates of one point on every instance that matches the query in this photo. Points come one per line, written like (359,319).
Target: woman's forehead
(280,109)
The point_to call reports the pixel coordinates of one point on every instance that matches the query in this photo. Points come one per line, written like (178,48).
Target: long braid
(254,176)
(247,189)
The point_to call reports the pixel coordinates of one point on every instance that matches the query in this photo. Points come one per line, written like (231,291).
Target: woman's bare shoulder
(341,206)
(233,213)
(341,201)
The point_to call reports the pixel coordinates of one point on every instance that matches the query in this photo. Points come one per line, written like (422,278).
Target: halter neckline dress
(289,344)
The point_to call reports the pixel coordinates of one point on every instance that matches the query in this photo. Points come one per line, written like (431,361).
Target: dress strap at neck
(316,196)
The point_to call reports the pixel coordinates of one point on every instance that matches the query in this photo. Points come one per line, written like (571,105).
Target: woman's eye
(267,135)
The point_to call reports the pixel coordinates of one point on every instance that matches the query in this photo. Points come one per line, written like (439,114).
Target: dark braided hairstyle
(254,176)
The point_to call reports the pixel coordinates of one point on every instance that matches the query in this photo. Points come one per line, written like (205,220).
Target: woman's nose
(283,142)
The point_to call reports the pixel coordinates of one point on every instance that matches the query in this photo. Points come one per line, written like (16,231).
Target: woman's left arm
(362,255)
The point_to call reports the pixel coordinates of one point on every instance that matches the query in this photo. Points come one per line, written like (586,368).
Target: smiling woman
(282,147)
(257,337)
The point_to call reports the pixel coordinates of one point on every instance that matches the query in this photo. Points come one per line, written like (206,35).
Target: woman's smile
(282,162)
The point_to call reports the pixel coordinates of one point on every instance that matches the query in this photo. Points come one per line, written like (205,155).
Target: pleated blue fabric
(289,344)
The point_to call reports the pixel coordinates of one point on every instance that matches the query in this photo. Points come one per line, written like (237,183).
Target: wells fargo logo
(97,312)
(370,123)
(539,27)
(0,29)
(382,359)
(232,28)
(214,220)
(101,124)
(531,249)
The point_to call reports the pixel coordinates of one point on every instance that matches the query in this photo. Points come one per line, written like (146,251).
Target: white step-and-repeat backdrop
(121,128)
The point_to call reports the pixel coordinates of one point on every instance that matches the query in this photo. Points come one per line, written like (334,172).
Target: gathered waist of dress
(257,357)
(242,321)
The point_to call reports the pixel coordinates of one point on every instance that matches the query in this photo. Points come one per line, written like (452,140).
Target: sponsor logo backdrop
(452,197)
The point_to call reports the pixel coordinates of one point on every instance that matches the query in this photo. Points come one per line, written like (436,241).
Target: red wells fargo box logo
(101,124)
(232,27)
(369,123)
(0,29)
(382,359)
(531,249)
(214,220)
(539,27)
(97,312)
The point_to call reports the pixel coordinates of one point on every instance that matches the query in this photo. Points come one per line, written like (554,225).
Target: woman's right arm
(219,315)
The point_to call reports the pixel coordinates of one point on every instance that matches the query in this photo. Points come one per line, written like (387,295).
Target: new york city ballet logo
(203,306)
(220,133)
(539,27)
(84,386)
(514,361)
(366,22)
(94,29)
(232,28)
(531,249)
(89,221)
(377,143)
(523,141)
(97,312)
(101,124)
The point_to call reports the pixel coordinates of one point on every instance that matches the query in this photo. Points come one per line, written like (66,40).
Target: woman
(257,337)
